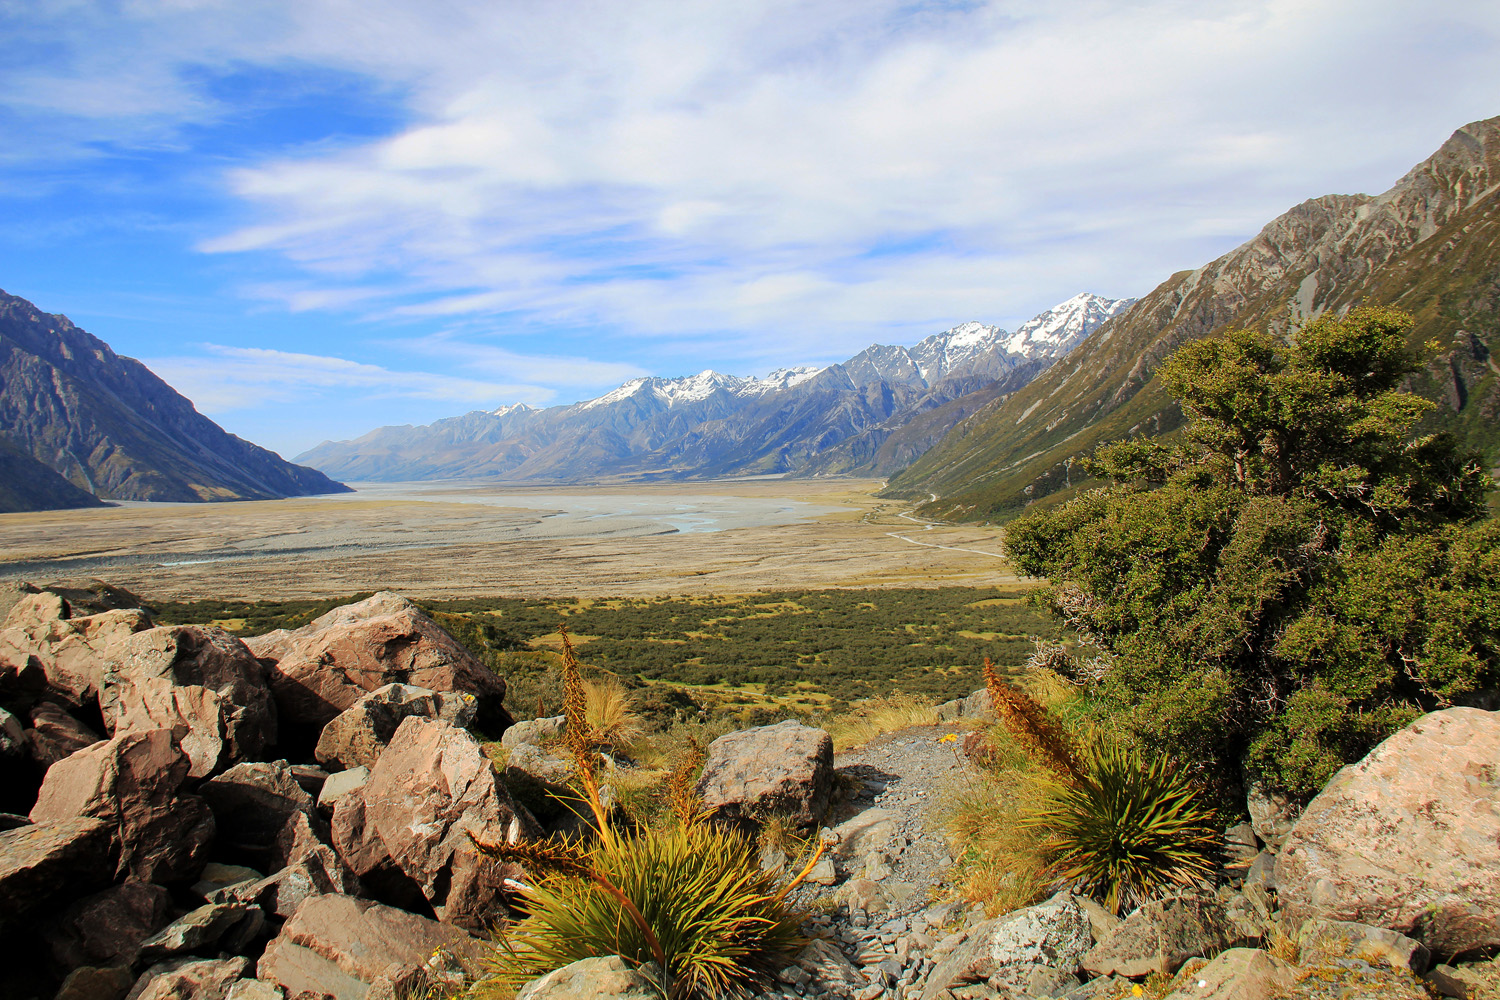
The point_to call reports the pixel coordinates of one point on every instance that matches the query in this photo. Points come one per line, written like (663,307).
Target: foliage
(1295,578)
(689,896)
(1128,827)
(871,718)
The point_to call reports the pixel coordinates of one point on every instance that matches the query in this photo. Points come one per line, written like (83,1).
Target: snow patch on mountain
(1061,328)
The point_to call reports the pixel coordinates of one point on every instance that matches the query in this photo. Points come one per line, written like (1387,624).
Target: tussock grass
(877,716)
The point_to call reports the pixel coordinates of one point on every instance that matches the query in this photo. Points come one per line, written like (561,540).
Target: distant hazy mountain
(114,430)
(1429,245)
(872,414)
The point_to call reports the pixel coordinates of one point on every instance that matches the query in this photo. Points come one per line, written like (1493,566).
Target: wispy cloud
(229,378)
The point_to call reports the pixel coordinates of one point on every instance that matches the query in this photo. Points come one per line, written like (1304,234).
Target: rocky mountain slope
(1429,245)
(26,484)
(871,414)
(114,430)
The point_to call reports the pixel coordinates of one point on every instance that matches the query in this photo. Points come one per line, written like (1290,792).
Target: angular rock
(429,791)
(132,783)
(1321,942)
(535,732)
(281,893)
(91,982)
(107,928)
(71,654)
(979,706)
(1055,934)
(607,978)
(55,734)
(189,979)
(255,989)
(253,802)
(356,736)
(194,931)
(785,769)
(50,863)
(339,785)
(1272,814)
(37,608)
(216,878)
(869,830)
(1238,974)
(339,945)
(327,665)
(1405,839)
(829,967)
(203,683)
(1160,936)
(12,737)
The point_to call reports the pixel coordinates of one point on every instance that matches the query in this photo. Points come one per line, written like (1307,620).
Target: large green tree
(1295,578)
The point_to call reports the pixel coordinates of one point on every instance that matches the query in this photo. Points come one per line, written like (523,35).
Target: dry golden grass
(878,716)
(1002,862)
(610,710)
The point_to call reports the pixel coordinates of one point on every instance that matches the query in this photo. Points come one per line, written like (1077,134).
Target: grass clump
(683,894)
(878,716)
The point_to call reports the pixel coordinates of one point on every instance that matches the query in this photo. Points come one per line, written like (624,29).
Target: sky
(318,217)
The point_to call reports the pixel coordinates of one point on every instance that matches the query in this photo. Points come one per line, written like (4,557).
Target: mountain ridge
(1430,244)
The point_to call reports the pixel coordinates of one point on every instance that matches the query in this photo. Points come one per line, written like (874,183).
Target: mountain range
(80,424)
(1430,245)
(869,415)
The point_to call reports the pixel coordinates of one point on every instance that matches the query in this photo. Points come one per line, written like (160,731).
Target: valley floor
(430,541)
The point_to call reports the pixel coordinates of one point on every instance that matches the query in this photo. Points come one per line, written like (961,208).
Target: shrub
(1127,828)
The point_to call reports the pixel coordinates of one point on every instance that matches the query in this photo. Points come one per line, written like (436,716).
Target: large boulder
(785,769)
(189,979)
(107,928)
(55,734)
(52,863)
(203,682)
(603,978)
(327,665)
(339,945)
(1160,936)
(1406,839)
(1238,974)
(35,608)
(69,655)
(132,782)
(429,791)
(357,736)
(252,803)
(1054,934)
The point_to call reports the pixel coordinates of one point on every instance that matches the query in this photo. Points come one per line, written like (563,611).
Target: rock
(535,732)
(829,967)
(70,655)
(55,734)
(327,665)
(339,945)
(356,736)
(39,608)
(1322,942)
(1405,839)
(203,683)
(215,878)
(1237,974)
(869,830)
(824,872)
(193,931)
(1262,871)
(1101,920)
(95,983)
(527,761)
(1272,814)
(785,769)
(607,978)
(132,783)
(107,928)
(189,979)
(429,791)
(339,785)
(979,706)
(400,982)
(12,737)
(253,802)
(1160,936)
(1446,981)
(51,863)
(281,893)
(257,989)
(1054,934)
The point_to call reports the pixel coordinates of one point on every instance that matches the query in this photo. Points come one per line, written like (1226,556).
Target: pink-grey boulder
(785,770)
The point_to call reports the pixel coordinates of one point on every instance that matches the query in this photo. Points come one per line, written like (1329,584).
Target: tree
(1297,576)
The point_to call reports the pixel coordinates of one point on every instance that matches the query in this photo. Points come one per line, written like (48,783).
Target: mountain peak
(1057,331)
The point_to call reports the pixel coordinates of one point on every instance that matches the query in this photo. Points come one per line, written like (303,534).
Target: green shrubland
(1293,579)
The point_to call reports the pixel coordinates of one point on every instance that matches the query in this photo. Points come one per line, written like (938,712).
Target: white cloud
(229,378)
(781,174)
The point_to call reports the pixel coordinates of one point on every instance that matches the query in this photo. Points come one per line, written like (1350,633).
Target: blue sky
(321,216)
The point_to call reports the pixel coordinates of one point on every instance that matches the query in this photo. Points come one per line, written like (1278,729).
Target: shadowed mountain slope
(1429,245)
(114,430)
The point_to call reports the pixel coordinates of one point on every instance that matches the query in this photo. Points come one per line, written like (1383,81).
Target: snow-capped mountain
(1061,328)
(873,414)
